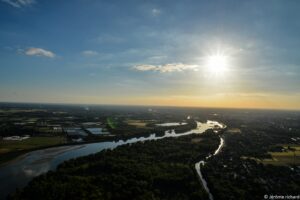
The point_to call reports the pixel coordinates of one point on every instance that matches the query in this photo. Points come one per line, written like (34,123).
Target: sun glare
(217,64)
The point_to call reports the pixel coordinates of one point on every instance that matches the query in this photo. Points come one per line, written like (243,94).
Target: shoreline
(201,163)
(16,155)
(44,158)
(20,154)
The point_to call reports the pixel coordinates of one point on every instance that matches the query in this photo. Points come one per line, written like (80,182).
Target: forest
(162,169)
(240,171)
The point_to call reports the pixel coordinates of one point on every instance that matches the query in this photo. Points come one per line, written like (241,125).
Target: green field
(111,123)
(11,149)
(285,158)
(288,157)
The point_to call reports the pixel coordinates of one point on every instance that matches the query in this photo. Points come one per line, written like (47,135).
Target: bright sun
(217,64)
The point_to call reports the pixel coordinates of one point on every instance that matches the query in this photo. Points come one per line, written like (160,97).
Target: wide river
(17,173)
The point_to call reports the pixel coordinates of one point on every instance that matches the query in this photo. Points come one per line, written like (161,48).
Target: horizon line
(144,105)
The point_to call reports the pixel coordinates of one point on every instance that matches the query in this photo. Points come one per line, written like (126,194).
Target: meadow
(11,148)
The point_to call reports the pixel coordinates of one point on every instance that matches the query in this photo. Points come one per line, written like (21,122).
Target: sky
(144,52)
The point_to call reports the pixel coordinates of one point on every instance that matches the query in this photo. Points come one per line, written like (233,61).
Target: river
(202,163)
(17,173)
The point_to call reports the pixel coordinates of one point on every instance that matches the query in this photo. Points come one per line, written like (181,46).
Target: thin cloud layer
(155,12)
(89,53)
(19,3)
(109,39)
(174,67)
(39,52)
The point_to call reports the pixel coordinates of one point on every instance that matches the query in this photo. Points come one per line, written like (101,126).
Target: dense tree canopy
(161,169)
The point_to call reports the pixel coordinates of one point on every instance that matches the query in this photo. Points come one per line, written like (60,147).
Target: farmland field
(137,123)
(288,157)
(12,149)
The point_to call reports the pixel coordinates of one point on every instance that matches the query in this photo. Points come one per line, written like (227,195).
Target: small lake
(18,173)
(172,124)
(96,131)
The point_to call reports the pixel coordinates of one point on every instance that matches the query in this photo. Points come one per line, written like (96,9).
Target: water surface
(19,172)
(172,124)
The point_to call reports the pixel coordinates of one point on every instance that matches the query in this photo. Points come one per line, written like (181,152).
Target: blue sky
(150,52)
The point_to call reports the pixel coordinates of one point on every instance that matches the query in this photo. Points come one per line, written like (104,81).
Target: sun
(217,63)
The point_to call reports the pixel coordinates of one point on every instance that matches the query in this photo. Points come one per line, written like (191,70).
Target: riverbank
(201,163)
(160,169)
(19,173)
(10,150)
(6,158)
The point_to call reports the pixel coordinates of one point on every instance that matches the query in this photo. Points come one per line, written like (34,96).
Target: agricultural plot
(31,143)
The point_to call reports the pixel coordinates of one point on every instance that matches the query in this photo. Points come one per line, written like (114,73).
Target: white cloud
(19,3)
(90,53)
(155,12)
(39,52)
(174,67)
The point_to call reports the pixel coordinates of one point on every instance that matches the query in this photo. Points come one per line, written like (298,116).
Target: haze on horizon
(240,54)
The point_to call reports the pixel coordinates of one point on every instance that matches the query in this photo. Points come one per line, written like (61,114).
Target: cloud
(39,52)
(19,3)
(90,53)
(155,12)
(174,67)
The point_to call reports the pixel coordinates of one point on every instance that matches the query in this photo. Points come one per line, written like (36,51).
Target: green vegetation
(257,159)
(31,143)
(52,121)
(11,149)
(241,170)
(287,156)
(161,169)
(290,155)
(111,123)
